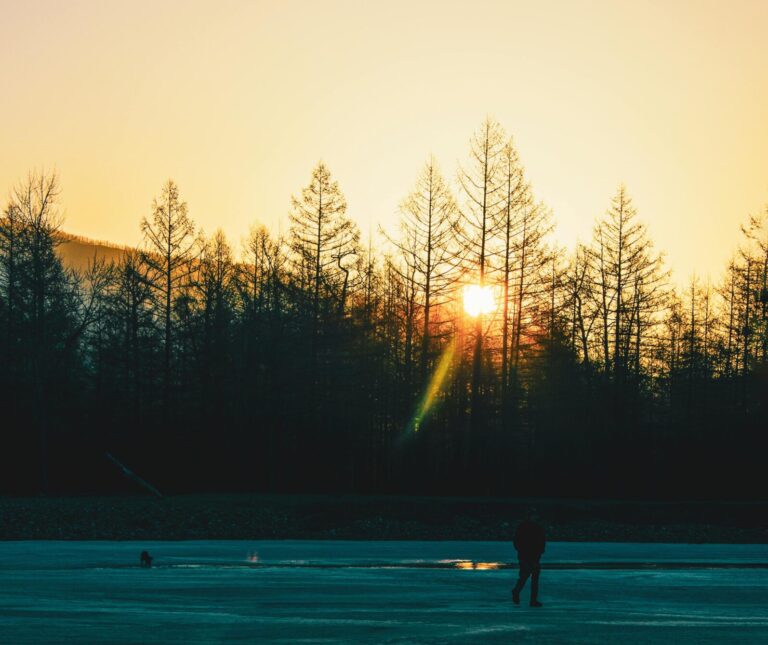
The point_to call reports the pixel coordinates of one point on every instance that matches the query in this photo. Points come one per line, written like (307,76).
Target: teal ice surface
(379,592)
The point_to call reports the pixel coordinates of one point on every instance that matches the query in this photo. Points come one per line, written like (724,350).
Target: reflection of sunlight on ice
(252,557)
(468,565)
(486,566)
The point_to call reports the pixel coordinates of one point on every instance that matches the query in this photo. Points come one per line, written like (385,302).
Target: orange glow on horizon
(237,102)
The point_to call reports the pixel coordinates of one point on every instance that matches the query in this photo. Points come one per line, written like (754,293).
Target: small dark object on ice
(146,559)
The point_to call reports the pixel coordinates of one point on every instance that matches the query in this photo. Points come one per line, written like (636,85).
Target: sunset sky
(237,101)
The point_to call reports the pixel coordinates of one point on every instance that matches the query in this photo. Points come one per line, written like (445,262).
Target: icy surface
(379,592)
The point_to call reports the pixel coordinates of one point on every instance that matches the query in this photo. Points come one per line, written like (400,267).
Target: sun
(478,300)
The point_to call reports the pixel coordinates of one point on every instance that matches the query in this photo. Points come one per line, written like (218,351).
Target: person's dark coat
(529,540)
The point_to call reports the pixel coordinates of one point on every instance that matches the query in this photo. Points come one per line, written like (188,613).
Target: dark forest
(320,361)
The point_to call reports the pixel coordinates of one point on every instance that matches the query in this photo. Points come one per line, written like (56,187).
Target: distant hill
(77,251)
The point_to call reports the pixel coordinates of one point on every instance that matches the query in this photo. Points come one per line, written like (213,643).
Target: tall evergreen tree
(324,243)
(429,217)
(482,183)
(170,251)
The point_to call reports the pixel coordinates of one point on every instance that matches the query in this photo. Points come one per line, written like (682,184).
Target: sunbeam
(433,389)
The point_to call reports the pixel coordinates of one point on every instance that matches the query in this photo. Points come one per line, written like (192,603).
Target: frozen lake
(379,592)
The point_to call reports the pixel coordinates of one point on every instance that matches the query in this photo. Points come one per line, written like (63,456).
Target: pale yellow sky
(238,100)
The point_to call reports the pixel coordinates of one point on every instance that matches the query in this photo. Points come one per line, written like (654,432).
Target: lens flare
(433,389)
(479,300)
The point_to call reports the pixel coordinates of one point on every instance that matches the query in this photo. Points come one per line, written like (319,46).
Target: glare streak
(434,387)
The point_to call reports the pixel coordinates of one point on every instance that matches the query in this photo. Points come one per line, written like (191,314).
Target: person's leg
(525,571)
(535,570)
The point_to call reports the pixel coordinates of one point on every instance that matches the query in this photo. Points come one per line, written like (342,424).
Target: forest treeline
(314,362)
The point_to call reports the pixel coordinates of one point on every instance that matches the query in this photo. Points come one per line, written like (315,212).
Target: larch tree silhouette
(171,248)
(482,184)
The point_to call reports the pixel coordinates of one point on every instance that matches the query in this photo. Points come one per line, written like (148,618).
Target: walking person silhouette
(529,542)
